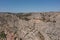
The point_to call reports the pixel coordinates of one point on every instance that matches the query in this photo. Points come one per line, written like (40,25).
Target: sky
(29,5)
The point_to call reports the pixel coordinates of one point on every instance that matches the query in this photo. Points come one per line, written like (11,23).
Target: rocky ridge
(30,26)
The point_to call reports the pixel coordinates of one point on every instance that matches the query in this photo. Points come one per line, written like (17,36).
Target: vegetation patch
(2,35)
(23,16)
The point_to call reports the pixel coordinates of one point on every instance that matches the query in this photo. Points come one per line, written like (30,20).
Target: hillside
(30,26)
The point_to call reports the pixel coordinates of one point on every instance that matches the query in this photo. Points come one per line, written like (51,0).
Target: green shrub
(2,35)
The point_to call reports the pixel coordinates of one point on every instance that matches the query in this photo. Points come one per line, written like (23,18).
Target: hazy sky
(29,5)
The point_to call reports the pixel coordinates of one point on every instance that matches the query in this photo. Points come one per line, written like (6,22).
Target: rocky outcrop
(30,26)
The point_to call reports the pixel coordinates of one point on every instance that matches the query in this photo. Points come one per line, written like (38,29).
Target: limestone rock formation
(30,26)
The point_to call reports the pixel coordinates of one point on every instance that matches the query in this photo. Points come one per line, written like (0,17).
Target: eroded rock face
(32,26)
(8,24)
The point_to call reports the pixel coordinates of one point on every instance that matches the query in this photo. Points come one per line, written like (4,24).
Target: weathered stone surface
(32,26)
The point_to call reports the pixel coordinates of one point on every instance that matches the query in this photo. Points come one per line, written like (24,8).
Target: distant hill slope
(30,26)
